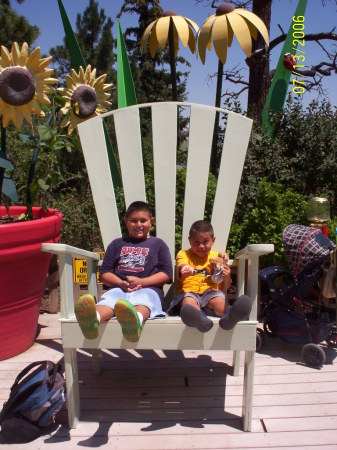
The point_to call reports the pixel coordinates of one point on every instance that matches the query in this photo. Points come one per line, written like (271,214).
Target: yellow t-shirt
(198,282)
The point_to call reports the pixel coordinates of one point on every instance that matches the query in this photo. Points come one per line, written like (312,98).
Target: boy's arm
(184,269)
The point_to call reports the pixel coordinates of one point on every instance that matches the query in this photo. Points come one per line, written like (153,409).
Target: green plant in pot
(25,81)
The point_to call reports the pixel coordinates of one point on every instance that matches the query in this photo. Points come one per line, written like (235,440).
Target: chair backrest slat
(97,163)
(129,144)
(164,123)
(164,140)
(199,152)
(235,144)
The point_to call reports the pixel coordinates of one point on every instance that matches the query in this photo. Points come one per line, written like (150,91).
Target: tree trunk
(259,78)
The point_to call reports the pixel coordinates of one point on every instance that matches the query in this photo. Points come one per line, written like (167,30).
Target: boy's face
(138,224)
(201,244)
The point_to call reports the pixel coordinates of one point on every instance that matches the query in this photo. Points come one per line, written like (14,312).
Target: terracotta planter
(23,270)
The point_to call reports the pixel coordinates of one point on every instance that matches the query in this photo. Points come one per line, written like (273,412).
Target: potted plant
(25,81)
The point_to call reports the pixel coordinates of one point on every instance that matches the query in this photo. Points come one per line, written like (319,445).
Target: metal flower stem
(172,63)
(214,152)
(3,154)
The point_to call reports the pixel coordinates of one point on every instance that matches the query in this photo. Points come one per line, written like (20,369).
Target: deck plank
(169,400)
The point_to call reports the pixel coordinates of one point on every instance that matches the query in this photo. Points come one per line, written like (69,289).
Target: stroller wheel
(259,339)
(313,355)
(268,327)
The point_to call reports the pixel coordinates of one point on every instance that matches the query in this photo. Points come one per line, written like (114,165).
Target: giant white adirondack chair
(169,333)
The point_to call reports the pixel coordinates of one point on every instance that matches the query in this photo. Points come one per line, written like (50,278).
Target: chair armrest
(251,254)
(254,249)
(66,253)
(64,249)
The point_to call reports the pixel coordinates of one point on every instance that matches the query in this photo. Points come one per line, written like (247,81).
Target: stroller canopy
(305,247)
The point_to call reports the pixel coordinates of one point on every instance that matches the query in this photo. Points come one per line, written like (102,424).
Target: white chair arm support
(66,253)
(251,254)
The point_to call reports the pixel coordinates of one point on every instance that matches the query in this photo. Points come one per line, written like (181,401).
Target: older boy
(136,267)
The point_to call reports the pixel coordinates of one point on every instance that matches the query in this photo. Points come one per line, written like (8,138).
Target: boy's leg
(193,316)
(240,310)
(218,305)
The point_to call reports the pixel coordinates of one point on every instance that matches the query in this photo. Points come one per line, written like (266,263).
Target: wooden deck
(174,400)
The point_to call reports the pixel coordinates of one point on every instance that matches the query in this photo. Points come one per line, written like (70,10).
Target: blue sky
(45,14)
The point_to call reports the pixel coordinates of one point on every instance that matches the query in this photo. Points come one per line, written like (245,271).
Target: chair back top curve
(170,124)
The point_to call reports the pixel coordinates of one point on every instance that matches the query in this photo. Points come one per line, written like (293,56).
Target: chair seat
(169,333)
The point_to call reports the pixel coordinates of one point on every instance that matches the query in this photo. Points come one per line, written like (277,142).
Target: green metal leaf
(9,189)
(6,164)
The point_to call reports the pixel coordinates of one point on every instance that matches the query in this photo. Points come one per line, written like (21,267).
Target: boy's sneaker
(128,318)
(240,310)
(194,317)
(85,311)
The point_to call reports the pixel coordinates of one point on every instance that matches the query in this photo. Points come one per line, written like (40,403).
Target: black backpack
(35,399)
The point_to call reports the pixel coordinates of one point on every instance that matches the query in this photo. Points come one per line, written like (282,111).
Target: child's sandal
(85,312)
(128,318)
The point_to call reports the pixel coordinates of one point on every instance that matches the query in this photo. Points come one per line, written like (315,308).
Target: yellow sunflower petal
(81,75)
(193,24)
(24,54)
(145,37)
(44,74)
(162,30)
(256,21)
(16,53)
(220,37)
(70,82)
(6,57)
(34,59)
(153,42)
(204,37)
(182,29)
(44,62)
(241,31)
(191,40)
(26,113)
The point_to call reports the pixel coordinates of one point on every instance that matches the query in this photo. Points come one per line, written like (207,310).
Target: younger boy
(136,267)
(197,292)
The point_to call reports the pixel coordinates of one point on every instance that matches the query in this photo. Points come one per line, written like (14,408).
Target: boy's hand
(126,286)
(134,283)
(186,270)
(226,275)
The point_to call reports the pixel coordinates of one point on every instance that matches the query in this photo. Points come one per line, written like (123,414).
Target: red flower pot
(23,270)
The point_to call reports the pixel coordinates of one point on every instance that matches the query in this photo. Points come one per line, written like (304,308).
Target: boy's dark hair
(138,206)
(201,226)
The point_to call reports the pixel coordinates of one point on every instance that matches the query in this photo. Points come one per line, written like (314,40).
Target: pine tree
(15,28)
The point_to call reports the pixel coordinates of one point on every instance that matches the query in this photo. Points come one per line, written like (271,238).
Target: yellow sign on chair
(80,270)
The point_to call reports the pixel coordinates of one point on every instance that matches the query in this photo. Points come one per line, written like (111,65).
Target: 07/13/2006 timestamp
(299,41)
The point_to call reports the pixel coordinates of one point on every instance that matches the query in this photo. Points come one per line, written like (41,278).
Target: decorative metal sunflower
(226,23)
(85,96)
(167,29)
(157,33)
(24,83)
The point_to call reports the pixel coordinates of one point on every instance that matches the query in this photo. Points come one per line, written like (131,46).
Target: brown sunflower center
(84,101)
(17,86)
(169,13)
(224,8)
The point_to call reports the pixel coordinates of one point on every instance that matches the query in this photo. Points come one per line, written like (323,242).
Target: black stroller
(291,302)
